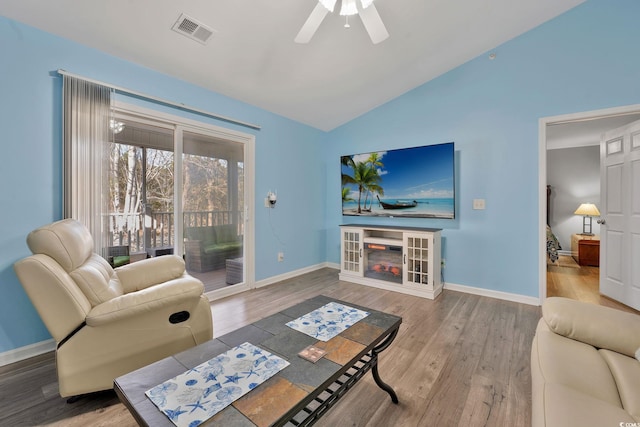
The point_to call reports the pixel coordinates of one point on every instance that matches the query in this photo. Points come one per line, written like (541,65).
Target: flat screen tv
(416,182)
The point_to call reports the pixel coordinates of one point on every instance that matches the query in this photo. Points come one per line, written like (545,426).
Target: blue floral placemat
(195,396)
(327,321)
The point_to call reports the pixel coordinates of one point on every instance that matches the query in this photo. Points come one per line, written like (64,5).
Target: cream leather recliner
(583,366)
(109,322)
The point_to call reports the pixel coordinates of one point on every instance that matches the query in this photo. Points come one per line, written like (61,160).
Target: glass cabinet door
(418,270)
(351,257)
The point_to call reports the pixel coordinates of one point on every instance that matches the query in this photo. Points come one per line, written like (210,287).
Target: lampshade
(587,209)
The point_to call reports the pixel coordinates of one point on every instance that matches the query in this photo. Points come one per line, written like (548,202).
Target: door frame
(180,124)
(542,175)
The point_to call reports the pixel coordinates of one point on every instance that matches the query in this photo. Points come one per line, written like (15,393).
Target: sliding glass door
(213,206)
(140,221)
(175,189)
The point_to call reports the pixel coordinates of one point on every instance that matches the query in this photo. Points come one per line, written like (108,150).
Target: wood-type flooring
(459,360)
(581,283)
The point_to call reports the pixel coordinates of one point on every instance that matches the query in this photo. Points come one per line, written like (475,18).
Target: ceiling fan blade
(373,24)
(311,25)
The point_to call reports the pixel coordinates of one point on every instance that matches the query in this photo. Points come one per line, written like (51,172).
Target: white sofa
(109,322)
(583,366)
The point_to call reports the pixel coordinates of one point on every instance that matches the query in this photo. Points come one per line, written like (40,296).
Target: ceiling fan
(367,12)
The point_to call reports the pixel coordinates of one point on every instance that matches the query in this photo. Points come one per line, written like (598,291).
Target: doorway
(577,130)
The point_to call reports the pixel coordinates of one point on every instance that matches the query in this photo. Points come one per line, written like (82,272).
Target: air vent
(193,29)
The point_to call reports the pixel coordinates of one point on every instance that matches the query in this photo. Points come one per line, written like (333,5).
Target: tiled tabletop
(292,387)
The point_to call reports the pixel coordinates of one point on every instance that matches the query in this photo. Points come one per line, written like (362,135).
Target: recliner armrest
(601,327)
(172,293)
(148,272)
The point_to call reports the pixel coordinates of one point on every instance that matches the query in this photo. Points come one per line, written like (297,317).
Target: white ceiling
(337,77)
(584,133)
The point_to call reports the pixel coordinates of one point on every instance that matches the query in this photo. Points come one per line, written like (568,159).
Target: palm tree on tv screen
(364,177)
(346,195)
(375,164)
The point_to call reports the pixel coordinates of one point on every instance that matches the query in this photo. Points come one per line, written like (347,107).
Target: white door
(620,228)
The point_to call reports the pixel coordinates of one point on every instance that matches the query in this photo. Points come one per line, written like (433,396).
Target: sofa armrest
(194,246)
(148,272)
(601,327)
(178,292)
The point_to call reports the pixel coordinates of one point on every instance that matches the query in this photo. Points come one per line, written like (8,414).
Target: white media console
(402,259)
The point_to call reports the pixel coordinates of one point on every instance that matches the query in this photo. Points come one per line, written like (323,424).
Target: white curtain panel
(86,137)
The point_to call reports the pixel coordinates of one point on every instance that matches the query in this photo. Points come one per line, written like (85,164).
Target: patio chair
(118,256)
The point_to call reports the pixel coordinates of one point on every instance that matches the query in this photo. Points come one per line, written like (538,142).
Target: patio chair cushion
(119,261)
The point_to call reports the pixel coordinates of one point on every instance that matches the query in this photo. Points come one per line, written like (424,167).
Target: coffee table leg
(374,370)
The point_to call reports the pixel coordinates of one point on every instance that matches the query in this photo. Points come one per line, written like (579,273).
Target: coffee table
(300,393)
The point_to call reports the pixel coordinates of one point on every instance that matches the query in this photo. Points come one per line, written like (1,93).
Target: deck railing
(141,232)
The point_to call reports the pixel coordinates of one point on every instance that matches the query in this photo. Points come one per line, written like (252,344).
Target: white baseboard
(493,294)
(334,265)
(291,274)
(31,350)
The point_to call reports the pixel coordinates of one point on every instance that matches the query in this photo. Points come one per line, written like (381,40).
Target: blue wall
(30,118)
(585,59)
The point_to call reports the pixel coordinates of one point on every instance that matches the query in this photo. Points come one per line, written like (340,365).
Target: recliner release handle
(179,317)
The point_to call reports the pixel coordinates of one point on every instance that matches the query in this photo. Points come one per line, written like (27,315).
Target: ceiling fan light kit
(348,8)
(368,13)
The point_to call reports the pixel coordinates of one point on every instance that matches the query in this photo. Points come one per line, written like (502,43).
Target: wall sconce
(271,199)
(587,210)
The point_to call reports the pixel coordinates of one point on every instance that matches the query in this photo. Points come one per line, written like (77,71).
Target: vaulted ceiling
(252,57)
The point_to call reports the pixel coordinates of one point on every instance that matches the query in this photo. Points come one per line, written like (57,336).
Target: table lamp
(587,210)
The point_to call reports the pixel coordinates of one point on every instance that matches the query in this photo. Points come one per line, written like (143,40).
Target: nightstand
(589,252)
(586,249)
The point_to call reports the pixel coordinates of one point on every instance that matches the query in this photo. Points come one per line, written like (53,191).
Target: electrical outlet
(443,262)
(478,204)
(280,256)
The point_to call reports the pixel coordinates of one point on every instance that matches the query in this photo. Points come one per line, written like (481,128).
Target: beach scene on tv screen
(416,182)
